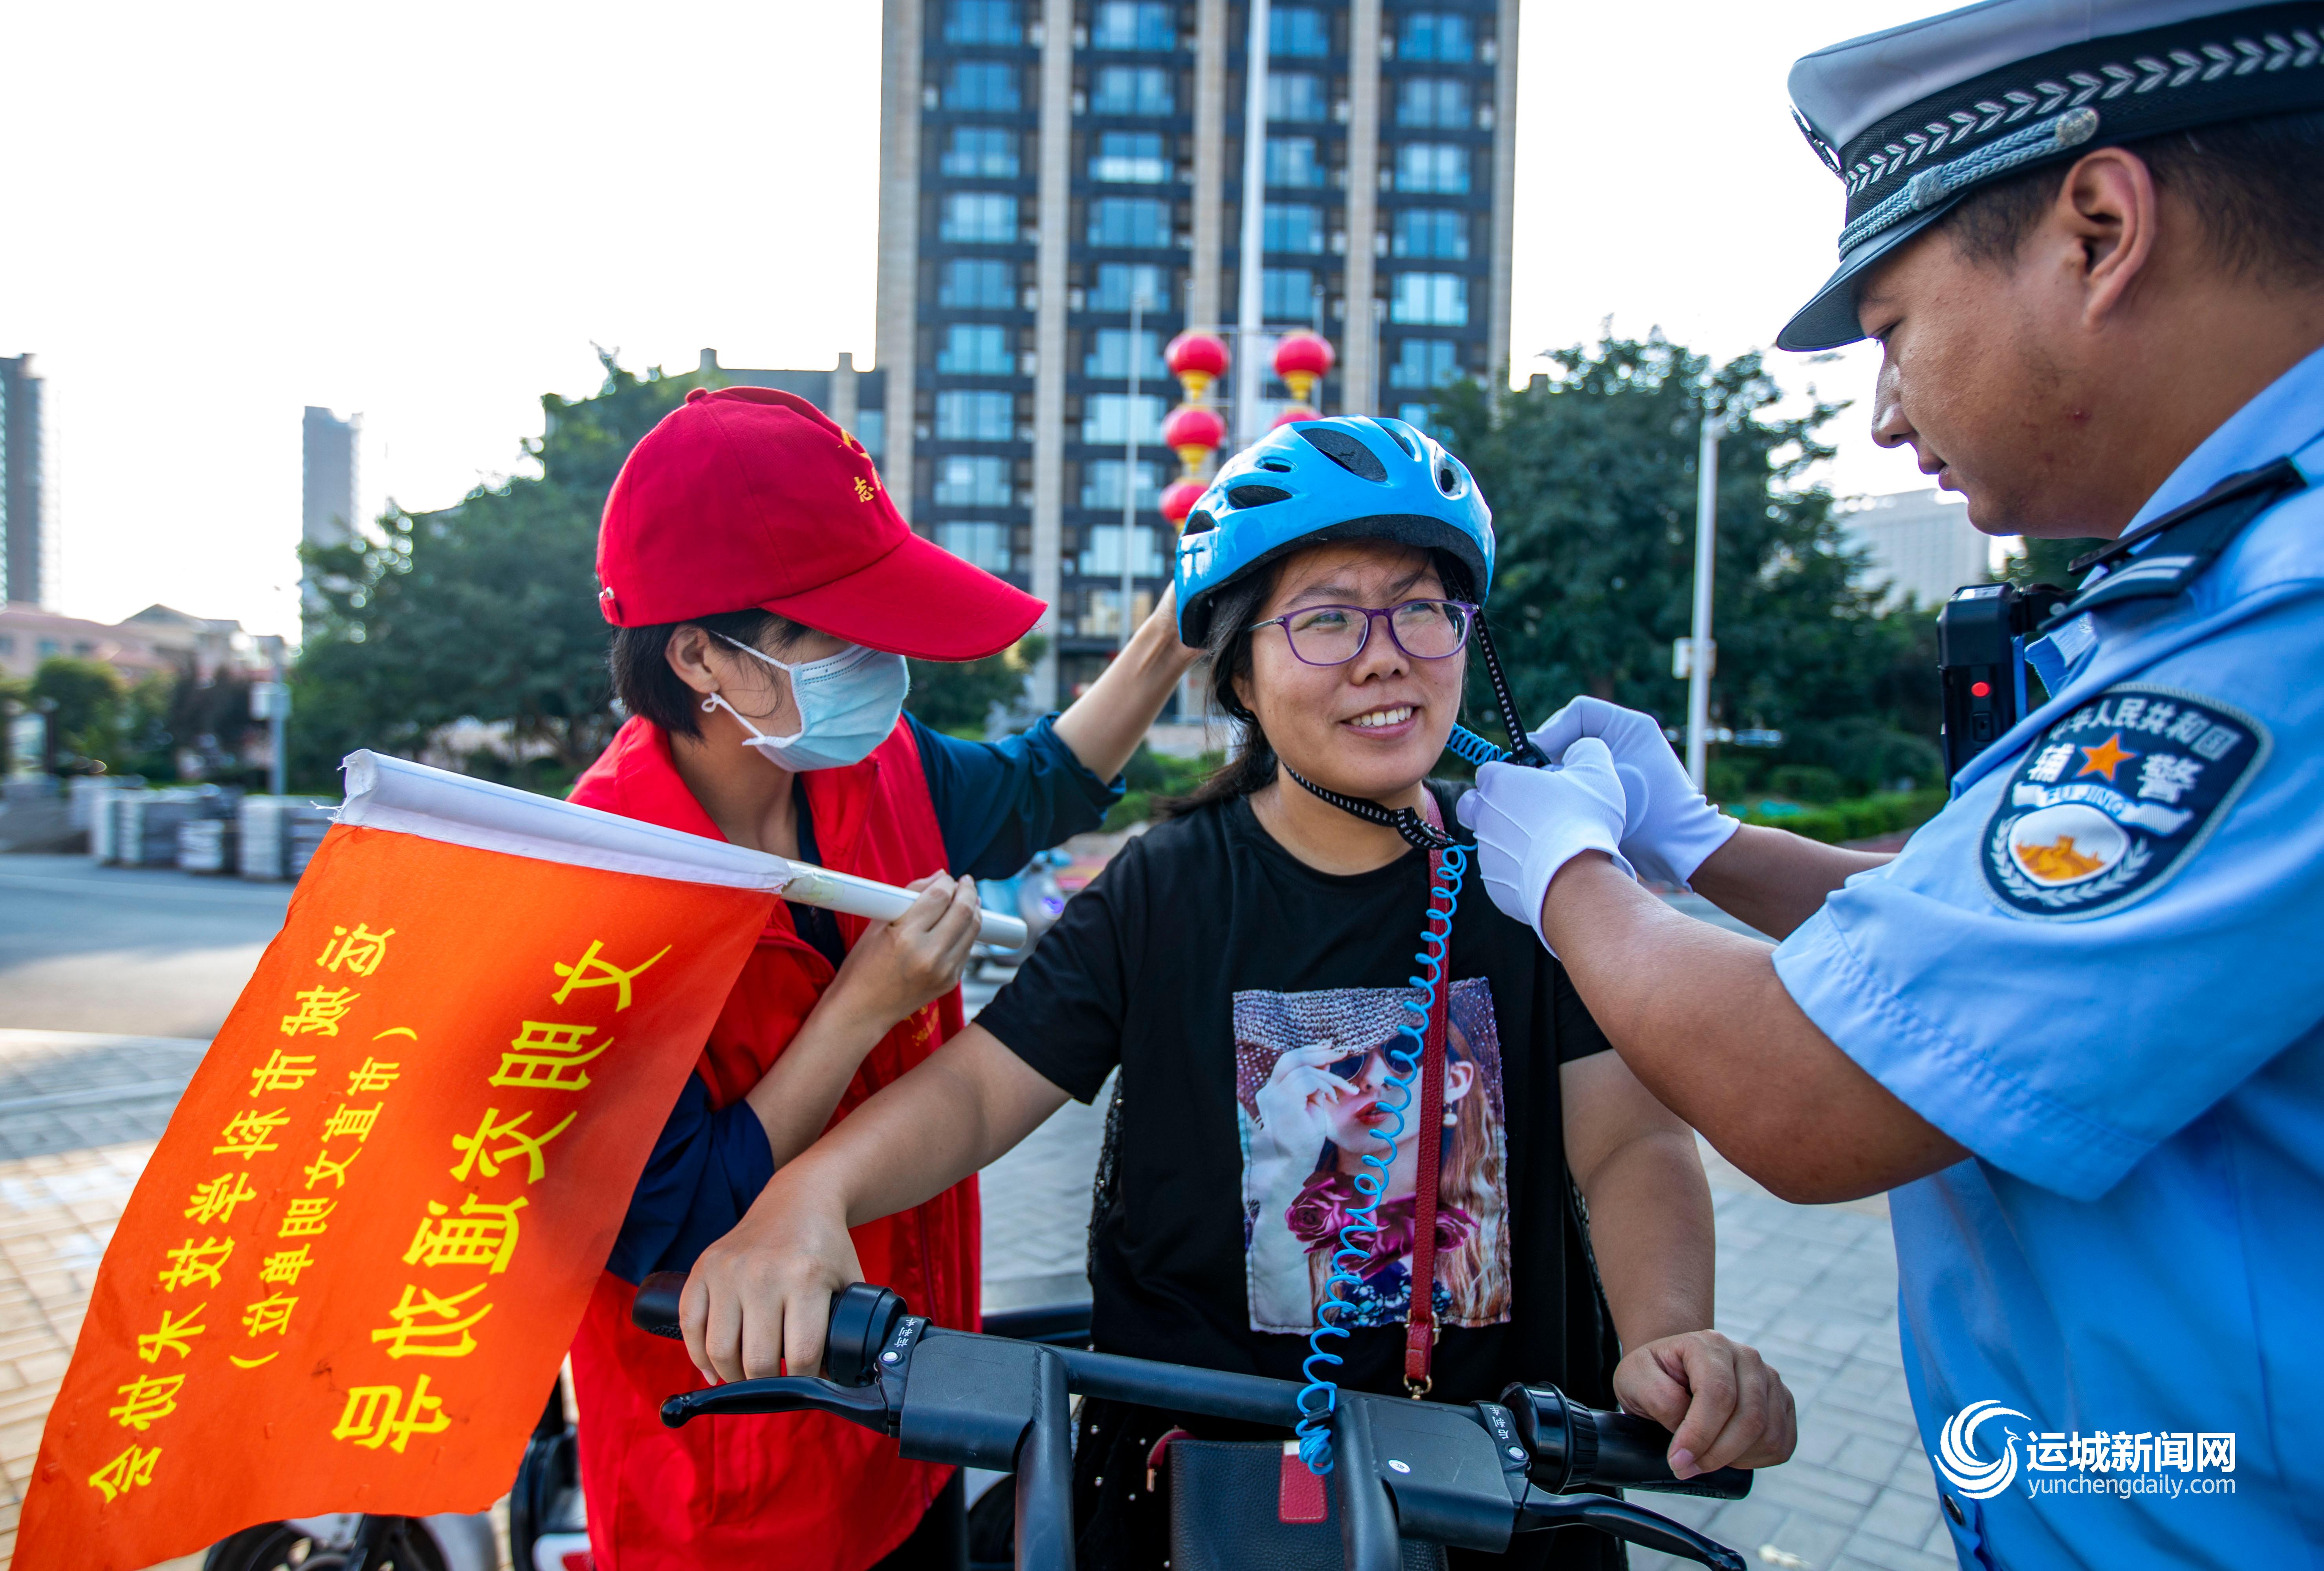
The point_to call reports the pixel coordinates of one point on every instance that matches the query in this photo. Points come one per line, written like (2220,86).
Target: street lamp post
(1249,296)
(1130,467)
(1701,652)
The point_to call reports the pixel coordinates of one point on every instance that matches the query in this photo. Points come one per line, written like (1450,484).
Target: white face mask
(847,704)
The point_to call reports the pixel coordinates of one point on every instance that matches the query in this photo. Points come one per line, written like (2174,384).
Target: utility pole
(1250,299)
(1701,652)
(1130,465)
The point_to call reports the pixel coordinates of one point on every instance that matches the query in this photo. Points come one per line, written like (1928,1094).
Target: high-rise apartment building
(28,538)
(327,476)
(1051,169)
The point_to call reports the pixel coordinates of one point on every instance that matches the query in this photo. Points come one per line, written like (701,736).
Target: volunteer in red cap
(766,593)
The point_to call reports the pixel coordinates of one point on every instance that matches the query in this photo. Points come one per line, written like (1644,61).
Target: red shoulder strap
(1420,1320)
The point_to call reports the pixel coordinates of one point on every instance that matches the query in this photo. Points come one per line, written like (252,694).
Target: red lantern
(1301,360)
(1292,415)
(1196,359)
(1193,430)
(1179,500)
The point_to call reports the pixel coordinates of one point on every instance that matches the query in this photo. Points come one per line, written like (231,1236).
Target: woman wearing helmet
(1242,966)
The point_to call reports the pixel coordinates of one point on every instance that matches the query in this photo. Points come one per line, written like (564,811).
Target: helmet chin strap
(1417,831)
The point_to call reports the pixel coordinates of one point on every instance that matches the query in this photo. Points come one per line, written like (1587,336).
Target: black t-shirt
(1203,956)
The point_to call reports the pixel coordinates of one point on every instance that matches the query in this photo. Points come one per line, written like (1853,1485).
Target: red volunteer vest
(801,1490)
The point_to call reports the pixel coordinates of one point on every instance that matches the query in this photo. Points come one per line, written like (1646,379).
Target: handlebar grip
(1635,1451)
(655,1308)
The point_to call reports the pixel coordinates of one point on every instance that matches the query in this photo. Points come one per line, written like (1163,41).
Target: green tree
(2040,561)
(90,713)
(1593,482)
(487,608)
(955,696)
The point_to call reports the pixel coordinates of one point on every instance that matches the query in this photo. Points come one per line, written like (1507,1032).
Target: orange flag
(350,1271)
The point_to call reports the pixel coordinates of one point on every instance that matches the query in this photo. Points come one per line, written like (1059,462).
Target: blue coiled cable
(1469,745)
(1321,1395)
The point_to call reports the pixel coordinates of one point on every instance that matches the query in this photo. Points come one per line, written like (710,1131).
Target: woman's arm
(1651,1229)
(895,969)
(1106,724)
(762,1295)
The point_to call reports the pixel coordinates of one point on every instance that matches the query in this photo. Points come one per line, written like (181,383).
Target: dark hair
(2257,187)
(638,661)
(1252,765)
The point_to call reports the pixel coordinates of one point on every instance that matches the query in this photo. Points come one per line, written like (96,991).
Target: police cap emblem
(2116,797)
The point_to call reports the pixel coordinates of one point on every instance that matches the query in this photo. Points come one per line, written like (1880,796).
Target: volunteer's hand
(759,1301)
(898,966)
(1724,1406)
(1529,822)
(1671,829)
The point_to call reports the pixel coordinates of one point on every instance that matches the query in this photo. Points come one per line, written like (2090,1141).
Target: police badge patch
(2114,798)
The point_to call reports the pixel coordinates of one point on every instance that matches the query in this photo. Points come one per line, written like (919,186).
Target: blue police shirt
(2098,970)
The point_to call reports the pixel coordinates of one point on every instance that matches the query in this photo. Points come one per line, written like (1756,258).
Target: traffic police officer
(2074,1026)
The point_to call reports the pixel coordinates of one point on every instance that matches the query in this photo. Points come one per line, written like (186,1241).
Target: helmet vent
(1401,440)
(1276,465)
(1257,496)
(1447,482)
(1199,522)
(1343,450)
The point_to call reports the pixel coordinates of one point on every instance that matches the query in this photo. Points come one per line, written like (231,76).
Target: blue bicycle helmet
(1352,477)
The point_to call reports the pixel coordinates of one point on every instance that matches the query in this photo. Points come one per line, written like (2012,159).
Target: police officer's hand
(1671,829)
(1530,822)
(897,967)
(757,1301)
(1724,1406)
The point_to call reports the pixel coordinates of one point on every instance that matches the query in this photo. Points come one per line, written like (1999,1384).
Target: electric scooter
(1418,1472)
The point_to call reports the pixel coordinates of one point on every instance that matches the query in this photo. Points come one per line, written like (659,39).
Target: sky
(432,213)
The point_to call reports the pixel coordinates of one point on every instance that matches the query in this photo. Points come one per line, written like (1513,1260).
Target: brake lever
(789,1394)
(1620,1519)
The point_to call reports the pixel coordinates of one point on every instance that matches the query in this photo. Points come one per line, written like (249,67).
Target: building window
(981,150)
(1132,24)
(1131,91)
(1119,282)
(1297,29)
(1436,35)
(1101,557)
(963,482)
(985,545)
(1416,415)
(976,416)
(871,430)
(1101,487)
(1111,352)
(981,84)
(977,285)
(982,21)
(1432,166)
(979,217)
(976,351)
(1424,363)
(1287,294)
(1433,299)
(1291,227)
(1129,221)
(1131,156)
(1296,95)
(1106,418)
(1439,101)
(1432,232)
(1291,162)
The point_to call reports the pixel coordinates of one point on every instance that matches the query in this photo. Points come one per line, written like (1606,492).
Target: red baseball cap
(748,496)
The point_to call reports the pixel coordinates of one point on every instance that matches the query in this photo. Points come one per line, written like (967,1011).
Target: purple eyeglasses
(1333,635)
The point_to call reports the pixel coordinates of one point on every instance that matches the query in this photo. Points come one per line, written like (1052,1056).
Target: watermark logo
(1956,1457)
(2120,1464)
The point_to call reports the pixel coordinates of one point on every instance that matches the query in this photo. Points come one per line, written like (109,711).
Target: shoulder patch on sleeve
(2115,798)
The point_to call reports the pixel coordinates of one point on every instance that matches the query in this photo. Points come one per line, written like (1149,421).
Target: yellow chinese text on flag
(352,1267)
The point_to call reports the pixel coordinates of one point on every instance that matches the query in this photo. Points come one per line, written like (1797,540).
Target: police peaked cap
(1912,118)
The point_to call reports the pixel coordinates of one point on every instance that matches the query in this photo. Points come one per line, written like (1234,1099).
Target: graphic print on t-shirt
(1310,1069)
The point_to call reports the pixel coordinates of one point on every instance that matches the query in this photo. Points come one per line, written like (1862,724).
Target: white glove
(1671,828)
(1529,822)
